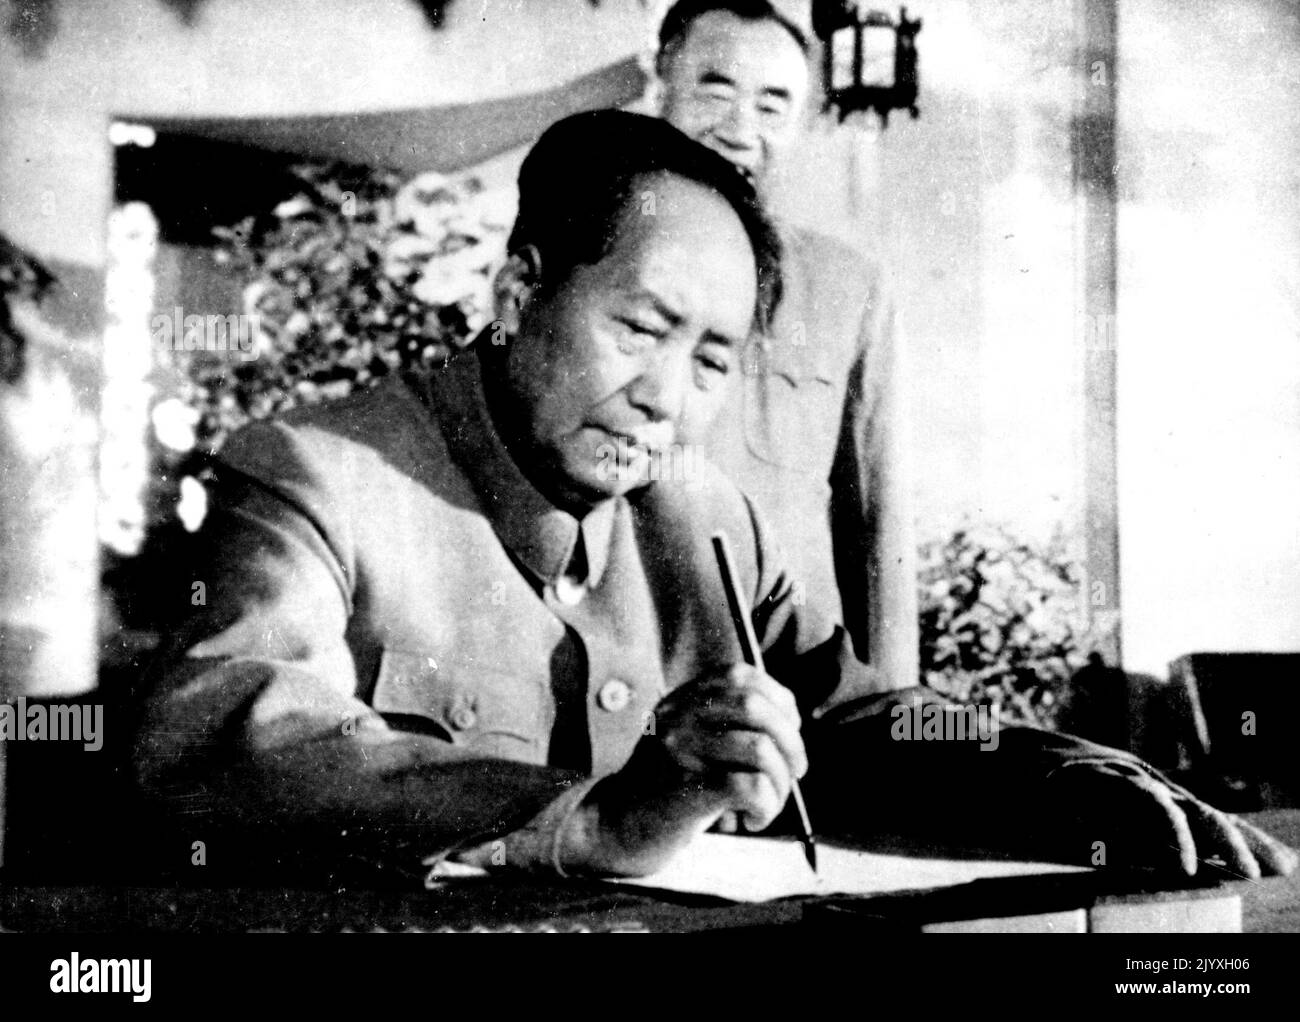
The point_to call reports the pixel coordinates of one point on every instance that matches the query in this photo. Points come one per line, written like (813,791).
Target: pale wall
(973,211)
(1209,327)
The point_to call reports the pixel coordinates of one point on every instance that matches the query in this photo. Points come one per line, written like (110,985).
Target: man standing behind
(814,432)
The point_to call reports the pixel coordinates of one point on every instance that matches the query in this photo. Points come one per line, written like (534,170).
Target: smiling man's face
(631,353)
(737,86)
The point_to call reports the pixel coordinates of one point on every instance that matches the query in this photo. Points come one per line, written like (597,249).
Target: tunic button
(463,718)
(614,695)
(569,592)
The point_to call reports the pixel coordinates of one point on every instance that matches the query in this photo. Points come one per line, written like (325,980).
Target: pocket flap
(797,360)
(415,690)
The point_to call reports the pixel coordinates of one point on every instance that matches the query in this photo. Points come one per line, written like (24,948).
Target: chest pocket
(793,404)
(480,708)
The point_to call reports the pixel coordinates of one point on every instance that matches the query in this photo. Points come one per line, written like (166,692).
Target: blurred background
(1092,231)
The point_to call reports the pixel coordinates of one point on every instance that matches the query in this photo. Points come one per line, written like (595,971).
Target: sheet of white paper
(759,869)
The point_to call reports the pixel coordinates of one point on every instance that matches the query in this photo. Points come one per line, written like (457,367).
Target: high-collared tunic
(402,649)
(400,632)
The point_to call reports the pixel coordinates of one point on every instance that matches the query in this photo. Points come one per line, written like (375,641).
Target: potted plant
(1002,622)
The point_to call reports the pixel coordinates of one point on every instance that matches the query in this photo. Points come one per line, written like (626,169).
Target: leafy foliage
(355,277)
(22,278)
(1001,622)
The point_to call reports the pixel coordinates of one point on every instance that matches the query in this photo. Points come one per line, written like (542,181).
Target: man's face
(737,86)
(611,370)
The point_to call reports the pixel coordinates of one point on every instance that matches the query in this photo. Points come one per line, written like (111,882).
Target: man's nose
(738,130)
(660,389)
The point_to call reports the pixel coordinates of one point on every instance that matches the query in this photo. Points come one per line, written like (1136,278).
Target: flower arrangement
(356,276)
(1001,622)
(359,274)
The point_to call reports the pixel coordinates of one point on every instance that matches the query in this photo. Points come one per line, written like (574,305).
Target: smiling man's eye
(716,91)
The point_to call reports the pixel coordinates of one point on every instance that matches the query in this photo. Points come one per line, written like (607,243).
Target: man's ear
(515,285)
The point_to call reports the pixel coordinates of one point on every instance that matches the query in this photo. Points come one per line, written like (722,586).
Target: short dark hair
(581,177)
(681,15)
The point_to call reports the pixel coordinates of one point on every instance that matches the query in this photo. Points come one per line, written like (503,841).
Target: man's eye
(710,372)
(713,364)
(633,335)
(640,329)
(771,112)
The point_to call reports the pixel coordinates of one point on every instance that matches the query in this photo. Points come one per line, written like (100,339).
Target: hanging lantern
(868,59)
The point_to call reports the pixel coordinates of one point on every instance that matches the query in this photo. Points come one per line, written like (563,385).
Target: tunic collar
(542,536)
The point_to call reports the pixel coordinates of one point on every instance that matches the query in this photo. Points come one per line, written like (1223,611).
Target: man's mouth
(647,445)
(749,173)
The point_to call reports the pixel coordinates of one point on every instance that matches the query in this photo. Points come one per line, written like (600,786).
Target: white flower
(425,200)
(252,296)
(173,424)
(466,261)
(405,252)
(291,208)
(192,508)
(134,219)
(450,278)
(497,207)
(297,323)
(424,187)
(440,289)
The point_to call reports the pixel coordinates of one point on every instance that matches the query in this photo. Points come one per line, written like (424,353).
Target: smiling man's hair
(588,173)
(677,22)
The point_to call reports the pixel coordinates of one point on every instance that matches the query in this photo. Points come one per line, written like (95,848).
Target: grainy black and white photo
(649,466)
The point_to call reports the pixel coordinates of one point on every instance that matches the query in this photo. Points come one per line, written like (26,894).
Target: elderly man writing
(442,619)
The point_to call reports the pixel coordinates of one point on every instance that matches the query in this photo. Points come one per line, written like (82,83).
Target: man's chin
(594,482)
(754,175)
(611,469)
(615,483)
(750,174)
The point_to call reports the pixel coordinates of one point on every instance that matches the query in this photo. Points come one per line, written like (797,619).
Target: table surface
(1269,905)
(1273,905)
